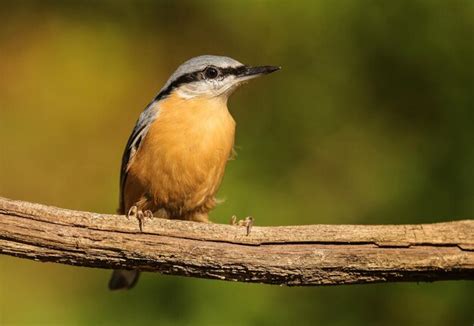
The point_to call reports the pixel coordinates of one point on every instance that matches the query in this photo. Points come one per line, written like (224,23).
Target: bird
(175,158)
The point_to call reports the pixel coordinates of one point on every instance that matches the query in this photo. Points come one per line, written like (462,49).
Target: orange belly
(180,163)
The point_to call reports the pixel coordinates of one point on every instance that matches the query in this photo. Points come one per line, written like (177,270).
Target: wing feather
(133,144)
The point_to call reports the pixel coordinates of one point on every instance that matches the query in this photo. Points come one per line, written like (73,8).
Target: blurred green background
(371,120)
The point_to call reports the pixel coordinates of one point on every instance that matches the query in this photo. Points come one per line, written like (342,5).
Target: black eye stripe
(198,75)
(229,70)
(233,70)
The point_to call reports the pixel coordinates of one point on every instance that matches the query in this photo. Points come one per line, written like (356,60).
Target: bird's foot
(140,215)
(247,222)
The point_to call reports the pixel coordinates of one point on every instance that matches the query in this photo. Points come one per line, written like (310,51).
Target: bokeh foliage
(371,120)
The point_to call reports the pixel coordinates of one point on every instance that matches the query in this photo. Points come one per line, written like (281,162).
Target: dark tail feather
(123,280)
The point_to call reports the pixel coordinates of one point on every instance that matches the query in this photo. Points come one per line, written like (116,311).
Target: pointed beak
(253,72)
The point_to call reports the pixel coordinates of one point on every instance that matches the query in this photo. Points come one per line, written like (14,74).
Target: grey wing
(138,134)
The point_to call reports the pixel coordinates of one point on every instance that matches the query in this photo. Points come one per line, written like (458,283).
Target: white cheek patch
(191,90)
(209,88)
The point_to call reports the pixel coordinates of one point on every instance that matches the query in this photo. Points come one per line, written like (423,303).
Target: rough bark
(288,255)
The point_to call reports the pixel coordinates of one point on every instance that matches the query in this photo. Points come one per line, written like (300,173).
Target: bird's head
(211,76)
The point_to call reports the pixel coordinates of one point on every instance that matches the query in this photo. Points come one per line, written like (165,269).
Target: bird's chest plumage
(183,156)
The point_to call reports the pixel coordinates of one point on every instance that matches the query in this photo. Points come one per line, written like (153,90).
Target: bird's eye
(211,73)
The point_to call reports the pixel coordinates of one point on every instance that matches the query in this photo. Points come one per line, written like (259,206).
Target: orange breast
(181,161)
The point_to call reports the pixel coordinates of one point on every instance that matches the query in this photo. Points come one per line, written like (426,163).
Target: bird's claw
(132,212)
(140,215)
(148,214)
(247,222)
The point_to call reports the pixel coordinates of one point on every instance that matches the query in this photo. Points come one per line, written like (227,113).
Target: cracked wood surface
(287,255)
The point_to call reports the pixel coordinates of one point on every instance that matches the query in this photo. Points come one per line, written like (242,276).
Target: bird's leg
(247,222)
(140,215)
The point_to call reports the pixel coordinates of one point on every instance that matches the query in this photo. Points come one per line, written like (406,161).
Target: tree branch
(290,255)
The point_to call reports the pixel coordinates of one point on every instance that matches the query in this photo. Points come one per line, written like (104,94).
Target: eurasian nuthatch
(175,158)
